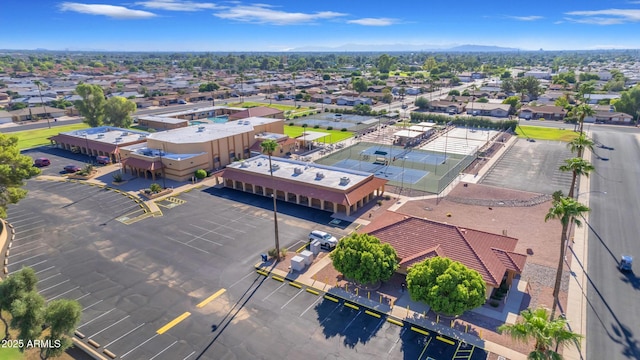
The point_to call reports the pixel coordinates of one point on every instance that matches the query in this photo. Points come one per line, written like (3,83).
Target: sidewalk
(404,309)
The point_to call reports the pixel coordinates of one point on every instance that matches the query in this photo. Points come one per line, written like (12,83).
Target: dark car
(71,169)
(41,162)
(103,160)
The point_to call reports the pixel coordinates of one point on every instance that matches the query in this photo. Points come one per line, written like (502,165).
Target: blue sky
(283,25)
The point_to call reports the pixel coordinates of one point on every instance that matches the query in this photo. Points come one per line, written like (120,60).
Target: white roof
(108,135)
(408,133)
(162,119)
(202,133)
(312,135)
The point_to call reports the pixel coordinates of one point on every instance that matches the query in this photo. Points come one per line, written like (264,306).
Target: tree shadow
(354,326)
(632,279)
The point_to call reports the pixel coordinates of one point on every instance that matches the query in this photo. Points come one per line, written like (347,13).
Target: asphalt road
(613,312)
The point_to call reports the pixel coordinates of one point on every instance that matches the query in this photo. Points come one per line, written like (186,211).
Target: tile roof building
(416,239)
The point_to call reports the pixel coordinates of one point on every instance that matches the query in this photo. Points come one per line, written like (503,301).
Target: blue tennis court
(411,155)
(390,172)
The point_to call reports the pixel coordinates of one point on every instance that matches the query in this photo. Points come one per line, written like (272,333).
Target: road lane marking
(173,323)
(108,327)
(94,319)
(146,341)
(211,298)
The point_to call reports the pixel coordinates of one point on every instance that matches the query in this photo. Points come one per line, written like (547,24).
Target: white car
(326,240)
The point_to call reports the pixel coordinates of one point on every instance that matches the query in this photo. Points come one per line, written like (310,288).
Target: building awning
(142,164)
(82,142)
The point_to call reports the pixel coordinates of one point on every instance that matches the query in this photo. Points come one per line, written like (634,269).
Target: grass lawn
(10,354)
(14,353)
(543,133)
(336,135)
(37,137)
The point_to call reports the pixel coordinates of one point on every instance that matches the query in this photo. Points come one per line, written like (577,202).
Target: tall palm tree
(567,210)
(536,326)
(582,111)
(579,144)
(268,147)
(38,83)
(577,166)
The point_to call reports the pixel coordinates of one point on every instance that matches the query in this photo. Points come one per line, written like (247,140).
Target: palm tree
(536,326)
(577,166)
(565,209)
(579,144)
(582,111)
(39,84)
(268,147)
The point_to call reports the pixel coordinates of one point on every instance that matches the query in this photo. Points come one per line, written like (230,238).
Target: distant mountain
(402,47)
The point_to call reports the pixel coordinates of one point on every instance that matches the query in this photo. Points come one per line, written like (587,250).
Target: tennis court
(426,171)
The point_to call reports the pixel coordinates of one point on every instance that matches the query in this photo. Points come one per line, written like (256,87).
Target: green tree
(566,210)
(200,174)
(508,85)
(14,287)
(14,169)
(448,286)
(210,86)
(269,147)
(387,97)
(629,102)
(385,63)
(360,85)
(528,85)
(62,316)
(514,101)
(483,100)
(27,315)
(118,111)
(92,105)
(581,112)
(547,334)
(454,93)
(577,166)
(585,90)
(430,63)
(422,103)
(362,109)
(364,259)
(579,144)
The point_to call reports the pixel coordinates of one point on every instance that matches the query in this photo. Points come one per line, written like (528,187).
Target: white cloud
(604,17)
(526,18)
(373,21)
(118,12)
(177,5)
(265,14)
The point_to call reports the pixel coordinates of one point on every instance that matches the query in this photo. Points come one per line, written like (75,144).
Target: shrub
(379,202)
(387,197)
(329,127)
(316,126)
(291,124)
(155,188)
(200,174)
(494,303)
(117,177)
(343,129)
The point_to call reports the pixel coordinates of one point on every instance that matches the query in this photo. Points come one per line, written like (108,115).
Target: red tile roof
(416,239)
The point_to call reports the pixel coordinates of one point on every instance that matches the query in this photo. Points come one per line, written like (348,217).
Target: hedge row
(466,121)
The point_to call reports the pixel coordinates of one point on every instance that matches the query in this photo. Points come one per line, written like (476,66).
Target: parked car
(70,169)
(103,160)
(182,102)
(327,241)
(41,162)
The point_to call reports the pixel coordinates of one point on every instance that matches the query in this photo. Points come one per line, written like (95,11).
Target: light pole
(404,158)
(160,152)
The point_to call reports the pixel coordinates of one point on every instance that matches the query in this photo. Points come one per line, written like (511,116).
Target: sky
(290,25)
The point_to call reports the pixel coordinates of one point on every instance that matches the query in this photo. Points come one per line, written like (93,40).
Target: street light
(404,158)
(160,152)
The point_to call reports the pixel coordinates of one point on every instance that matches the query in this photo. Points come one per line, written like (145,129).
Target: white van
(326,240)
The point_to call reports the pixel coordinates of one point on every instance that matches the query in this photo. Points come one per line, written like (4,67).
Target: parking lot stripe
(211,298)
(127,333)
(58,284)
(64,293)
(24,252)
(394,321)
(23,260)
(173,323)
(95,303)
(188,356)
(310,306)
(96,318)
(163,350)
(52,276)
(191,246)
(425,348)
(146,341)
(25,244)
(41,262)
(244,277)
(83,296)
(420,331)
(372,313)
(108,327)
(351,322)
(397,340)
(290,300)
(273,292)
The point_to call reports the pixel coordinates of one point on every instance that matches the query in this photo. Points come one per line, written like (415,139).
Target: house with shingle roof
(416,239)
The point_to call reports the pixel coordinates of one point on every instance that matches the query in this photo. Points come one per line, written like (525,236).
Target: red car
(41,162)
(103,160)
(71,169)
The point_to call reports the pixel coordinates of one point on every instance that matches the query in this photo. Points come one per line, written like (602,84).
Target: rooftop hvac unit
(100,136)
(275,167)
(244,164)
(344,180)
(118,139)
(200,128)
(298,171)
(124,133)
(319,175)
